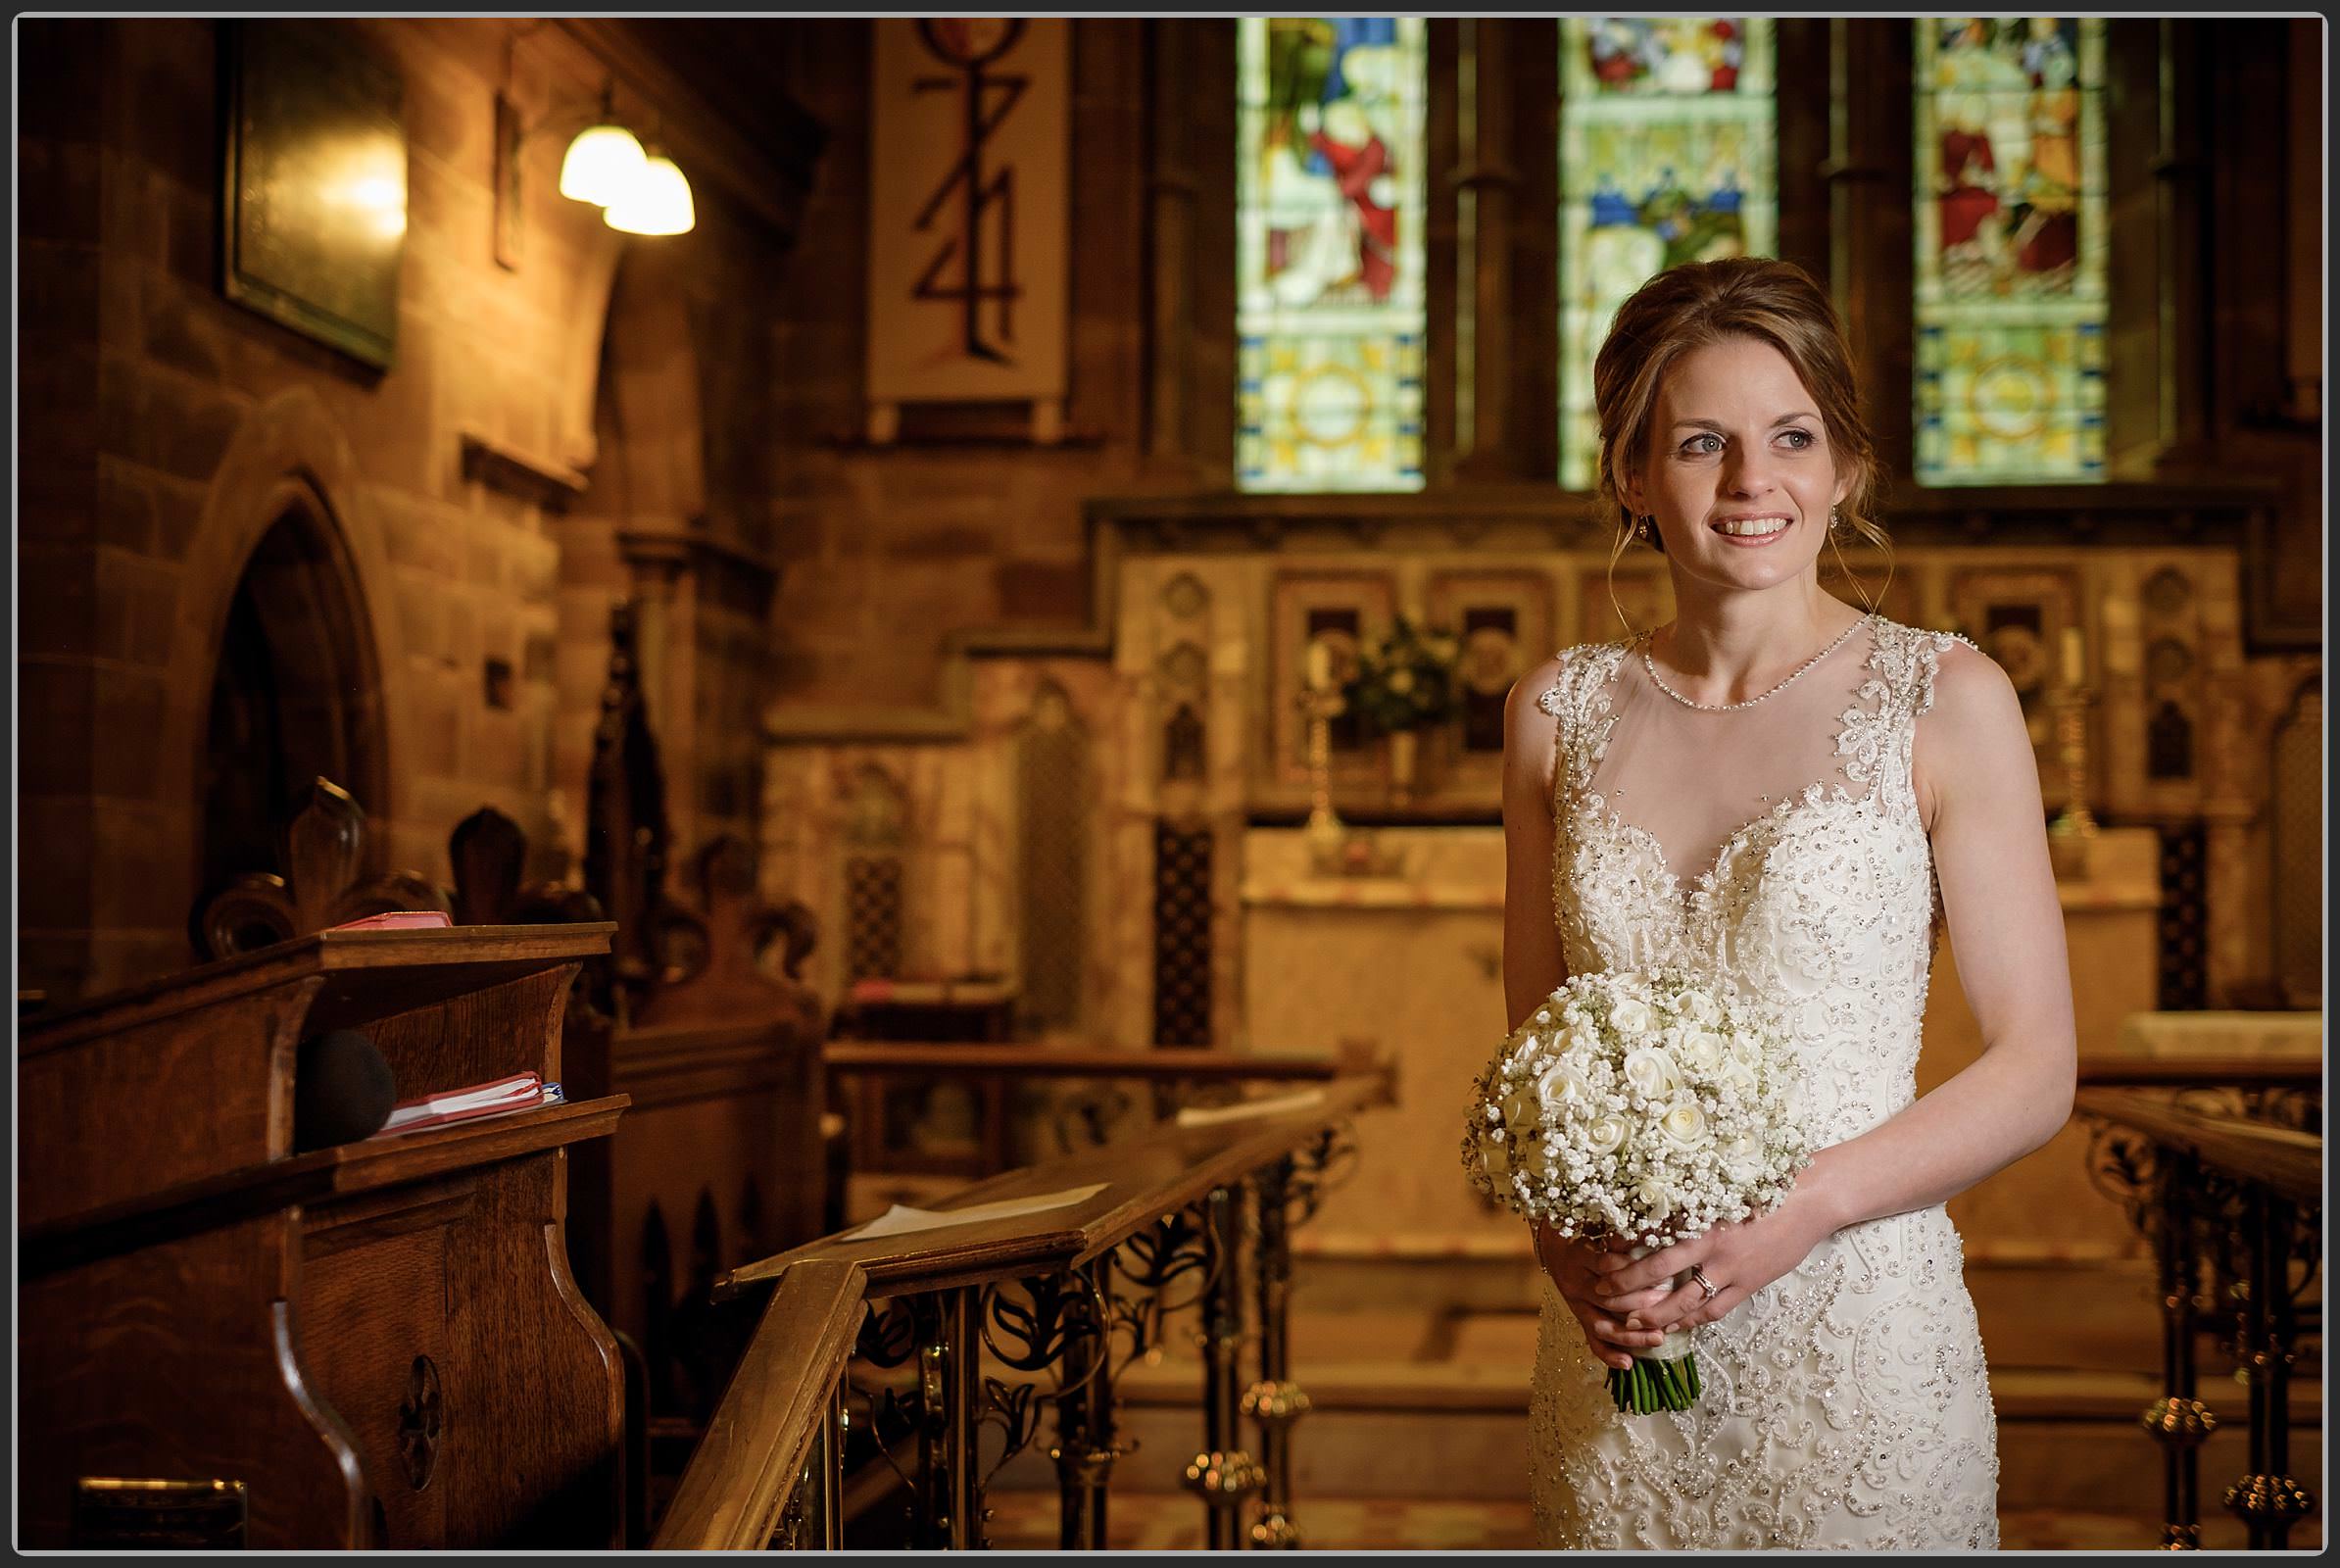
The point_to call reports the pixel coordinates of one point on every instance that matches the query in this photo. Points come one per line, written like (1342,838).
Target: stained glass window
(2011,242)
(1668,154)
(1329,308)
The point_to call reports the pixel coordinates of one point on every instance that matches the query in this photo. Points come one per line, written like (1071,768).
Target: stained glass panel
(1330,304)
(1668,154)
(2010,250)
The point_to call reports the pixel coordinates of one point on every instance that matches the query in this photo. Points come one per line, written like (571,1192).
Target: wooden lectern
(378,1345)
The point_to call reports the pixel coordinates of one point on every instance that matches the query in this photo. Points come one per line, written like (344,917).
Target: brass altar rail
(1044,1294)
(2241,1202)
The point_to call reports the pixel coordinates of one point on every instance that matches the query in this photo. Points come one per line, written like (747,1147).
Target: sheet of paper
(901,1220)
(1205,1115)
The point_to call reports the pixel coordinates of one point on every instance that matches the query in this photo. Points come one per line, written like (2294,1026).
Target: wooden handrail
(973,1060)
(2287,1164)
(1159,1172)
(2120,1069)
(738,1483)
(742,1471)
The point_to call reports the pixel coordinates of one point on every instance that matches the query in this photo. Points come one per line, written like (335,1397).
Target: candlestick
(2076,658)
(2074,827)
(1320,664)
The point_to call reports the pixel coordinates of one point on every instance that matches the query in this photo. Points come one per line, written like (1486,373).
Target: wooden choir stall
(232,1338)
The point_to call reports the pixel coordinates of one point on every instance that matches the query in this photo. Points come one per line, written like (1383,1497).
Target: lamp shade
(658,203)
(603,164)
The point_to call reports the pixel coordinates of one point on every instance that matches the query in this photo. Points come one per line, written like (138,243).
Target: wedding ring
(1711,1288)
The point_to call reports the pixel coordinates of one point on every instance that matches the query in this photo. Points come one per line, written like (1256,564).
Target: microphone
(342,1090)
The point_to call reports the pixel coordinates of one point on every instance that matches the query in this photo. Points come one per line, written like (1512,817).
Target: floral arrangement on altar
(1639,1107)
(1407,683)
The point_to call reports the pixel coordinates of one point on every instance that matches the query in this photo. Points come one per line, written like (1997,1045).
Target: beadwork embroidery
(1848,1404)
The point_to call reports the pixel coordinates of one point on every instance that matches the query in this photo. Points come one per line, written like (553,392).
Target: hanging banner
(969,210)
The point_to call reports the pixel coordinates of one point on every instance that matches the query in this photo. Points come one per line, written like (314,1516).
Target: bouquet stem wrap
(1664,1377)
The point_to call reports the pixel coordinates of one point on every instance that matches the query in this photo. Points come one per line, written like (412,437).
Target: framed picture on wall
(314,183)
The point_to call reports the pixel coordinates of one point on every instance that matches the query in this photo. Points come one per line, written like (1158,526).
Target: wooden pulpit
(373,1345)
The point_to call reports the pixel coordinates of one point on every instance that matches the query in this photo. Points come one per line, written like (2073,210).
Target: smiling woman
(1787,800)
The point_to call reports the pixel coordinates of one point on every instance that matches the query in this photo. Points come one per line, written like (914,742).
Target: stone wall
(888,550)
(165,428)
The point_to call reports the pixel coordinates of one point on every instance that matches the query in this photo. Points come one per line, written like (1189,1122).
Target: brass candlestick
(1320,700)
(2074,827)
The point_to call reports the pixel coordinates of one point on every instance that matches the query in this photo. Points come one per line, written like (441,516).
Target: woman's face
(1738,474)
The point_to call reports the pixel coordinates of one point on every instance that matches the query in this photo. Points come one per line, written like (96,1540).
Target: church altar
(1409,962)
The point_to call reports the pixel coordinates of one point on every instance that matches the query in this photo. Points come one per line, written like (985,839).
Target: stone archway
(285,607)
(296,695)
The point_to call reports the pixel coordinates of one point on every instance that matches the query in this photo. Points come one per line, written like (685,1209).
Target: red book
(520,1092)
(396,920)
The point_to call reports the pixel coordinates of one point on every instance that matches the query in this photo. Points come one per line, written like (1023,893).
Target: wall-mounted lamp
(604,161)
(639,193)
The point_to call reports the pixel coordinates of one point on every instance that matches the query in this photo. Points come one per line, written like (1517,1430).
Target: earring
(1834,521)
(1648,529)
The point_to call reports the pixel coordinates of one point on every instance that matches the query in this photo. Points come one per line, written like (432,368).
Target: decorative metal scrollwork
(1057,1325)
(1324,1168)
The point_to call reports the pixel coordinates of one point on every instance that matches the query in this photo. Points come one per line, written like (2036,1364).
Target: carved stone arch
(285,522)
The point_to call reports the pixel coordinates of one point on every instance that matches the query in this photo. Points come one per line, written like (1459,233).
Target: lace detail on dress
(1847,1403)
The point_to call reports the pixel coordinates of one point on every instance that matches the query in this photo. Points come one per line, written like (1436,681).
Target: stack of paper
(521,1091)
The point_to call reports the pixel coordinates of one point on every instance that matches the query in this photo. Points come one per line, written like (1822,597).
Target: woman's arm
(1533,967)
(1979,793)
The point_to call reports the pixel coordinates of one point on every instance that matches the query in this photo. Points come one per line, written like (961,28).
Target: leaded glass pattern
(2011,249)
(1668,154)
(1182,934)
(1330,301)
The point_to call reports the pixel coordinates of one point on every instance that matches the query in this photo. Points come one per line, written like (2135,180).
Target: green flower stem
(1648,1386)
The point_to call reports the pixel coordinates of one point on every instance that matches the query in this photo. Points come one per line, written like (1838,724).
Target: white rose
(1655,1195)
(1495,1156)
(1652,1072)
(1683,1124)
(1701,1051)
(1701,1006)
(1581,1040)
(1738,1074)
(1563,1084)
(1746,1050)
(1605,1136)
(1742,1158)
(1630,1017)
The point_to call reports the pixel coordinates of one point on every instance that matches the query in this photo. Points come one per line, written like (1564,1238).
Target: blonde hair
(1701,303)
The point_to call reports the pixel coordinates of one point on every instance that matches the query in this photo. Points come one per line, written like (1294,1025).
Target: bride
(1794,799)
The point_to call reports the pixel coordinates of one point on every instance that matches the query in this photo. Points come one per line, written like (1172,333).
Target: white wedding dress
(1846,1403)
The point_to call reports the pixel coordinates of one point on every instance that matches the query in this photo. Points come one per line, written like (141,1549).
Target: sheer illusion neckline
(1798,674)
(1688,890)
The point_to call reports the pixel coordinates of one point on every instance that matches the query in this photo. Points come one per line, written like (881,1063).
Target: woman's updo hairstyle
(1700,303)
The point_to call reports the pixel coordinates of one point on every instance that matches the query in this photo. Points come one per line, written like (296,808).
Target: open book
(521,1091)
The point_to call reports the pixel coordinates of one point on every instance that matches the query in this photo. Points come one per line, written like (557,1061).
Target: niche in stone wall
(1052,759)
(295,697)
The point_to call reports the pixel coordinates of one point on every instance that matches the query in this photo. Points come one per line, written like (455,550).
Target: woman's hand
(1611,1329)
(1739,1259)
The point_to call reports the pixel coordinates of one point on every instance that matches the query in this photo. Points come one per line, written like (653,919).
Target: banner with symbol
(969,210)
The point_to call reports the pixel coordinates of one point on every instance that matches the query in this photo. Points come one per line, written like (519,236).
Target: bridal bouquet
(1641,1106)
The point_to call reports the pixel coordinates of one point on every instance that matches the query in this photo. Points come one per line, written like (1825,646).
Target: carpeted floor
(1028,1521)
